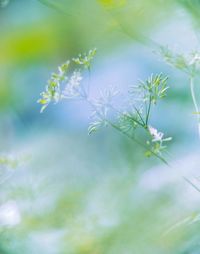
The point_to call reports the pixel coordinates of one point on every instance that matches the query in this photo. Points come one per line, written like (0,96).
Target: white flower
(73,88)
(75,79)
(157,136)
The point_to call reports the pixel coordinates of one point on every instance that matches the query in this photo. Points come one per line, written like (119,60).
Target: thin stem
(141,118)
(148,111)
(137,141)
(191,183)
(195,102)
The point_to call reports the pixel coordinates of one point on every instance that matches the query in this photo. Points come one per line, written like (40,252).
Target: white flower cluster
(73,87)
(157,142)
(158,136)
(52,92)
(65,85)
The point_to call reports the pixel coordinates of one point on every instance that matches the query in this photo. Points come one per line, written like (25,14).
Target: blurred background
(64,192)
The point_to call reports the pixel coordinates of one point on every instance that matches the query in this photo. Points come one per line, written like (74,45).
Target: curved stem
(137,142)
(148,112)
(195,102)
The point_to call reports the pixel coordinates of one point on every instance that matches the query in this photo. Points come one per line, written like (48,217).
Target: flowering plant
(66,83)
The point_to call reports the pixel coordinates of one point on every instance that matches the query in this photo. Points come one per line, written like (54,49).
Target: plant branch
(137,141)
(148,111)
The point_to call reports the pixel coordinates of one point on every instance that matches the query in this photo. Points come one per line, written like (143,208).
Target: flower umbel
(53,90)
(73,87)
(63,86)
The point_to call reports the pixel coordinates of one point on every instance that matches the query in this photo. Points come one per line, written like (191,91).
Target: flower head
(157,136)
(73,88)
(85,59)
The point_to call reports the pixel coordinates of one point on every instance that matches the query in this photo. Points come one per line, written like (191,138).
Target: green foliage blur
(64,192)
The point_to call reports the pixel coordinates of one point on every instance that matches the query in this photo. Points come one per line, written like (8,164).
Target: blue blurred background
(67,192)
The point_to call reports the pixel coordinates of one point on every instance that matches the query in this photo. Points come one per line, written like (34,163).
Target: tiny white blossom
(76,79)
(157,136)
(73,88)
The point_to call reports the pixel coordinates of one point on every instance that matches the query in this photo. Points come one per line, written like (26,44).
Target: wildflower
(104,112)
(54,91)
(157,136)
(73,88)
(85,59)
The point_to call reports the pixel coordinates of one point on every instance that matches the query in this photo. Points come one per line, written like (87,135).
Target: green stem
(140,116)
(138,142)
(191,183)
(195,102)
(148,111)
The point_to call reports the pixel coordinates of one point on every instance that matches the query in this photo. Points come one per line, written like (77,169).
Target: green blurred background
(70,193)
